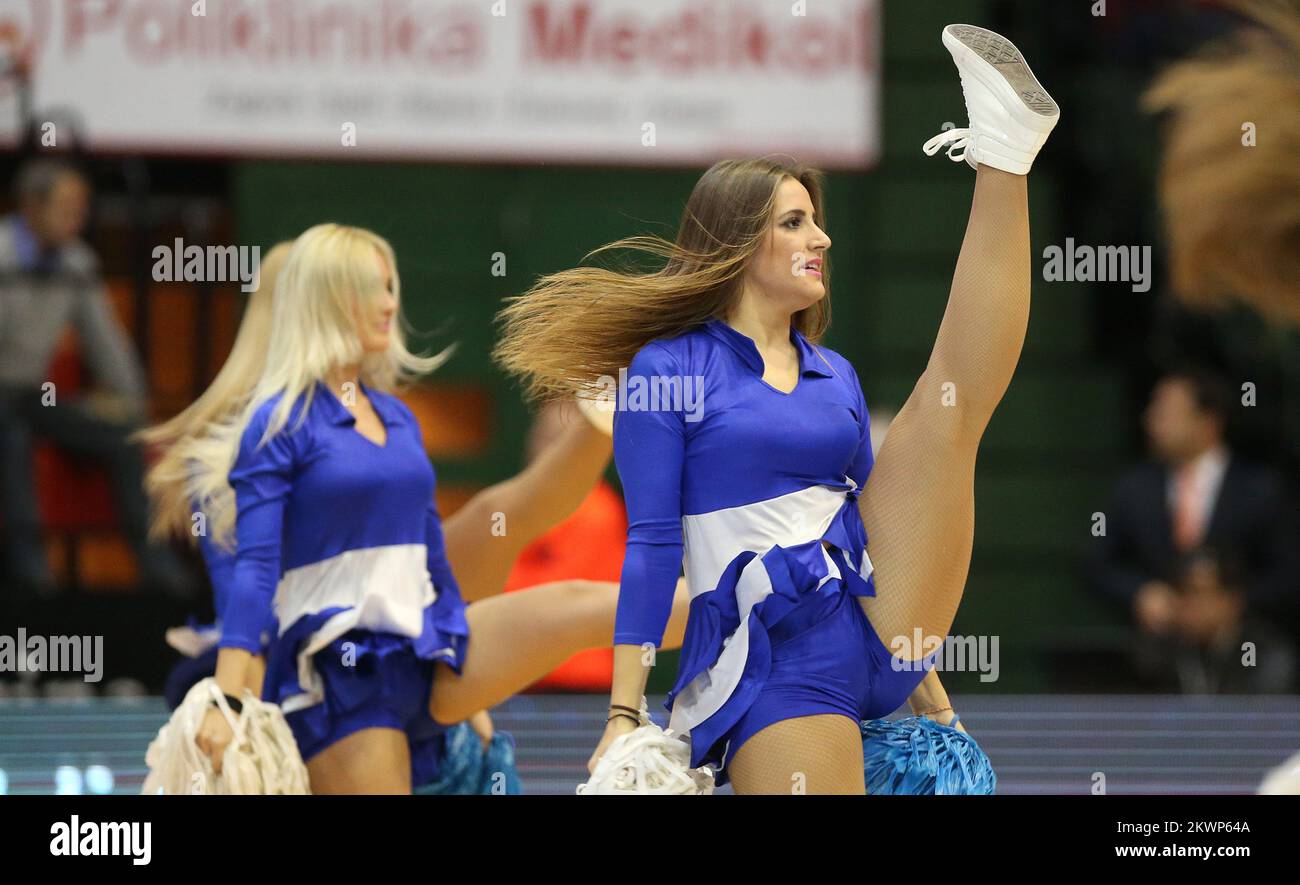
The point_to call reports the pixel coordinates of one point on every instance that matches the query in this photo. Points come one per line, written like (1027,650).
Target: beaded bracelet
(931,712)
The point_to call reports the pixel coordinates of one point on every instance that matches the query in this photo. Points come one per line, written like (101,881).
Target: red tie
(1187,528)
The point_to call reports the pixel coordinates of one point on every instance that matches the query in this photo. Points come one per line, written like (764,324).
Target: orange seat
(455,419)
(75,499)
(170,365)
(73,495)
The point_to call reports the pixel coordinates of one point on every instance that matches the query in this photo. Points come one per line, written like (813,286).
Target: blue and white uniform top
(743,482)
(337,533)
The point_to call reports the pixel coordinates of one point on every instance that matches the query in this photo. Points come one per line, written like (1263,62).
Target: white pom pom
(262,758)
(648,762)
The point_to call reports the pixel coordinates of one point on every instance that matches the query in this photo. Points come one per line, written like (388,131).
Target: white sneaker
(1010,112)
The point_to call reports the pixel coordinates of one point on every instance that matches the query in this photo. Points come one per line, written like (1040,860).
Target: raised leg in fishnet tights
(919,501)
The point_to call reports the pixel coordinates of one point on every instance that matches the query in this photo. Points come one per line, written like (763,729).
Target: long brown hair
(573,327)
(1233,212)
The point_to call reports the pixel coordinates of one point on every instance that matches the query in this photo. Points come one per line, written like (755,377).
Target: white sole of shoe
(1002,68)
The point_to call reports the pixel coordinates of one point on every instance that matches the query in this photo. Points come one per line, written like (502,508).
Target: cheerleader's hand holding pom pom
(214,735)
(643,760)
(215,750)
(615,728)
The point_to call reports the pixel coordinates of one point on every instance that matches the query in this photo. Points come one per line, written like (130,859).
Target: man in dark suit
(1195,493)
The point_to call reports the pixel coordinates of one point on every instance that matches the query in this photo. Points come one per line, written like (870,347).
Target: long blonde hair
(1233,212)
(313,330)
(187,468)
(575,326)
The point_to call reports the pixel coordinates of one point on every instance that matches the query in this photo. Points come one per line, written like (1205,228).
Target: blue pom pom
(919,757)
(460,768)
(500,775)
(467,769)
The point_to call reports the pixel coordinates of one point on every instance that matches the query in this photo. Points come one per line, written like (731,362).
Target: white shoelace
(955,139)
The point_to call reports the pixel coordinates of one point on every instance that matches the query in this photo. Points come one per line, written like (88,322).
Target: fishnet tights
(807,755)
(919,501)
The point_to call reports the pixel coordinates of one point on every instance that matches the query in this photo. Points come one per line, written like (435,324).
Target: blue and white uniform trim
(755,495)
(721,635)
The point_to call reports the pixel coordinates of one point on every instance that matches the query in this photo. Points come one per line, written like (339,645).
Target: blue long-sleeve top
(734,465)
(220,565)
(335,532)
(196,638)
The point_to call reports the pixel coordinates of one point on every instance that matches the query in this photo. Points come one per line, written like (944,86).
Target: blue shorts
(826,658)
(373,680)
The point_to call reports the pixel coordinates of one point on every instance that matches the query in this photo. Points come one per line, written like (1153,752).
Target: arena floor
(1038,744)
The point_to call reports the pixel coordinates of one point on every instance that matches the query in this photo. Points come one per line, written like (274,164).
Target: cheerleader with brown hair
(744,448)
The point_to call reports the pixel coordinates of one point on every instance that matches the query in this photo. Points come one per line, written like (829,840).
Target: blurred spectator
(1213,645)
(588,545)
(1195,493)
(49,281)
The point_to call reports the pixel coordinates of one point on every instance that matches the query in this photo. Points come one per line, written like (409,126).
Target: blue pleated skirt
(812,651)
